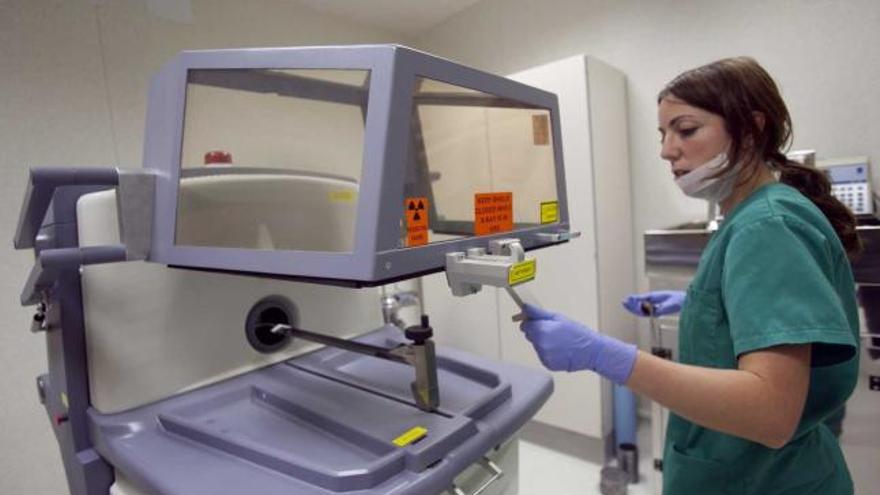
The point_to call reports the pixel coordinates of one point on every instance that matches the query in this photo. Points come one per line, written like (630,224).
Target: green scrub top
(774,273)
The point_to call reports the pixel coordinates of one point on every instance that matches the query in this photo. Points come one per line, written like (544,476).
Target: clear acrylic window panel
(294,141)
(466,143)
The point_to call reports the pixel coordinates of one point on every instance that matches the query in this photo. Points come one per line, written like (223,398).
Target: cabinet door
(567,279)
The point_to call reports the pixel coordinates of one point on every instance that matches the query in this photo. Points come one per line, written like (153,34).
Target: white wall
(823,54)
(73,86)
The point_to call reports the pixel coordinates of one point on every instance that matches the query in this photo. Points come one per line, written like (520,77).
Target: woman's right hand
(664,302)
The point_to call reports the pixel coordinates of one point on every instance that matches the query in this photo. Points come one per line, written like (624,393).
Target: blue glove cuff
(616,360)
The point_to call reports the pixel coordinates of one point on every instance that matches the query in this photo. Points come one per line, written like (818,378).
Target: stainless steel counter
(676,252)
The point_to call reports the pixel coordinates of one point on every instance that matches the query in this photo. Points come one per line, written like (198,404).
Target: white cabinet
(585,279)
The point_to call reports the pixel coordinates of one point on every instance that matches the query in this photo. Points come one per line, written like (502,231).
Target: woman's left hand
(566,345)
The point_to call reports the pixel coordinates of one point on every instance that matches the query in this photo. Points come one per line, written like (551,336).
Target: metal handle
(560,236)
(488,465)
(41,188)
(870,345)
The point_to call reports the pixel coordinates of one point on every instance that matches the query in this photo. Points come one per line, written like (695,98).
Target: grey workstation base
(322,423)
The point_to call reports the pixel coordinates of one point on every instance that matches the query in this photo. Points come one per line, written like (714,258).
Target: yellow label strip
(343,196)
(411,436)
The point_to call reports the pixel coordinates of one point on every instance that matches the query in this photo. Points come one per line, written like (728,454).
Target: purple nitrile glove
(665,302)
(566,345)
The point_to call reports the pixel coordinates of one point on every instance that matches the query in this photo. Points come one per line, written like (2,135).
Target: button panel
(854,195)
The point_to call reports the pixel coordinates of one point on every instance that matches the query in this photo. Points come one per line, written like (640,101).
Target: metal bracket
(493,469)
(562,235)
(40,322)
(135,196)
(393,303)
(467,272)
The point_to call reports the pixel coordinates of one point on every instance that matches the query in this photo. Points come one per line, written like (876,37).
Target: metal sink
(674,253)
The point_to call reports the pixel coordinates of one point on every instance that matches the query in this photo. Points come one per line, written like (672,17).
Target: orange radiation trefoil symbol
(416,221)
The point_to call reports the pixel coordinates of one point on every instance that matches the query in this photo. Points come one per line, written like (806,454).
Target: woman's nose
(668,150)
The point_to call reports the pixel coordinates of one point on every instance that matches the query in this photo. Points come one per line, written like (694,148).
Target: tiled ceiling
(409,18)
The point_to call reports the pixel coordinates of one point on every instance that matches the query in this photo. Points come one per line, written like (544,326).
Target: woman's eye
(688,132)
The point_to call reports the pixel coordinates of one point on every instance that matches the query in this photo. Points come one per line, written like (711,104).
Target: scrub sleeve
(777,291)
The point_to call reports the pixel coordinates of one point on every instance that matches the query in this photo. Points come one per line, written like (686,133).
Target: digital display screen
(843,174)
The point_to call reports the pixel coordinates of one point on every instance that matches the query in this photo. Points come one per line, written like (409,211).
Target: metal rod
(420,356)
(348,345)
(519,302)
(656,332)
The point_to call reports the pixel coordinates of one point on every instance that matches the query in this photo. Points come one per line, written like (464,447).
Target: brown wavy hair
(738,90)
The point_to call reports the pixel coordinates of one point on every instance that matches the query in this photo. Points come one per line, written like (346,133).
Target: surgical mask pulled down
(699,183)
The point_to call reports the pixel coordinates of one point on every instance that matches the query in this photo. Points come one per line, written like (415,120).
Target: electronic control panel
(851,183)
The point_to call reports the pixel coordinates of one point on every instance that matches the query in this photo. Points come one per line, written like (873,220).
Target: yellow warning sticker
(411,436)
(522,272)
(549,212)
(342,196)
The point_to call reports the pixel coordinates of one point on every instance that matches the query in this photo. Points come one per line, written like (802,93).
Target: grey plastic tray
(322,423)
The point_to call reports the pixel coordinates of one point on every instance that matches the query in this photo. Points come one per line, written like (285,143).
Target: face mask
(699,183)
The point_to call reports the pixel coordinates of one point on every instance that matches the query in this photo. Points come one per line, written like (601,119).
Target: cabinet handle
(488,465)
(870,344)
(562,235)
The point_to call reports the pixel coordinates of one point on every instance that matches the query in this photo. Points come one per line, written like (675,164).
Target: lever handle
(40,190)
(493,469)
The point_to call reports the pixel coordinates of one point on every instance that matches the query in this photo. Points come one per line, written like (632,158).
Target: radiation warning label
(416,221)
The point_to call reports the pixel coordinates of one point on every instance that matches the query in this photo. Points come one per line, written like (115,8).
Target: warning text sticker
(416,221)
(549,212)
(522,272)
(493,212)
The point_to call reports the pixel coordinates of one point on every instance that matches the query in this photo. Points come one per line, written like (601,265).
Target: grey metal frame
(376,256)
(48,224)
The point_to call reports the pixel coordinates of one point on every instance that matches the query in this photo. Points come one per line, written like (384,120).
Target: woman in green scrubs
(768,342)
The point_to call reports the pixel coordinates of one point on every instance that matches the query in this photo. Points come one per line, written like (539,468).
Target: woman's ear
(759,119)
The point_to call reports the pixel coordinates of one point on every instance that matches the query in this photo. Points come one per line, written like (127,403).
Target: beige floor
(861,431)
(553,462)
